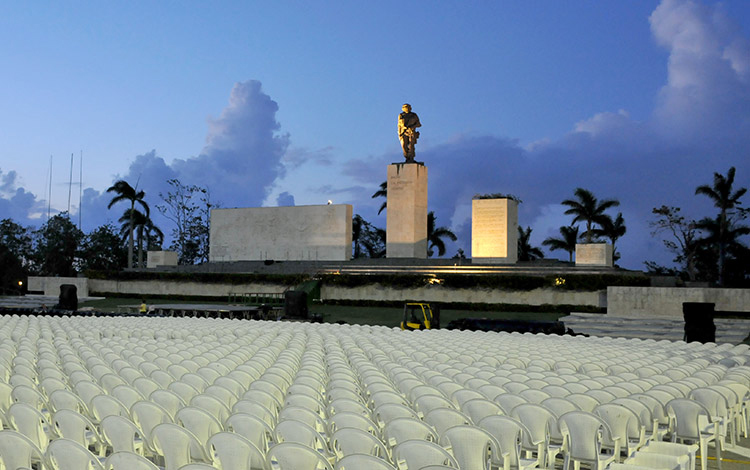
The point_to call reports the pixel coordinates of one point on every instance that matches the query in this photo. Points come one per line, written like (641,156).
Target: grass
(388,316)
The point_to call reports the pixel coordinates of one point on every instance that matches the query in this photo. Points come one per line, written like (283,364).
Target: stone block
(494,230)
(594,254)
(406,216)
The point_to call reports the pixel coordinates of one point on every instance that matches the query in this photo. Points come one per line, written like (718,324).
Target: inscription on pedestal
(406,216)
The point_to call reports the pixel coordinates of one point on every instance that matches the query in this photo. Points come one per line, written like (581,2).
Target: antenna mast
(80,189)
(70,183)
(49,190)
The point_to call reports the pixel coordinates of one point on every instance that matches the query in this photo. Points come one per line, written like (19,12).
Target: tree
(613,230)
(382,192)
(435,236)
(589,210)
(726,199)
(189,207)
(17,240)
(56,247)
(526,252)
(684,238)
(368,240)
(102,250)
(125,192)
(144,227)
(568,239)
(724,235)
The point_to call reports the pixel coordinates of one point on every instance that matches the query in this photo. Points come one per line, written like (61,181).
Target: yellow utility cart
(417,316)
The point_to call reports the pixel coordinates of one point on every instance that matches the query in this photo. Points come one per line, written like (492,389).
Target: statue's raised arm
(408,123)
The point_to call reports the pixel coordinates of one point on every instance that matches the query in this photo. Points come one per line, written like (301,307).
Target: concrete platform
(728,330)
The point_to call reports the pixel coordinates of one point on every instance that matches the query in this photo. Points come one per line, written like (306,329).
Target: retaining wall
(667,301)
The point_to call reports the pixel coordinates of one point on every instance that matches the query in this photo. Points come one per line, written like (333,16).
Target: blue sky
(640,101)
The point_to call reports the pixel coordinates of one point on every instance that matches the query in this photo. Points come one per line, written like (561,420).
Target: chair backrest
(199,422)
(347,441)
(232,451)
(389,411)
(508,401)
(714,401)
(583,402)
(121,433)
(252,428)
(18,451)
(418,454)
(472,447)
(559,406)
(299,432)
(214,406)
(107,405)
(347,419)
(479,408)
(128,461)
(64,454)
(399,430)
(30,422)
(444,418)
(584,433)
(538,420)
(74,426)
(622,421)
(176,444)
(508,434)
(364,461)
(168,400)
(293,456)
(685,413)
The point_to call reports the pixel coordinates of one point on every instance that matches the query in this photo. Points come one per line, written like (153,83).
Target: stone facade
(667,301)
(594,254)
(494,230)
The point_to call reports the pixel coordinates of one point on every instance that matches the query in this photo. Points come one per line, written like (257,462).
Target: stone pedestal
(494,230)
(161,258)
(594,254)
(406,221)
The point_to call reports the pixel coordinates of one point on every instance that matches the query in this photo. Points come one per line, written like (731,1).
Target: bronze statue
(407,131)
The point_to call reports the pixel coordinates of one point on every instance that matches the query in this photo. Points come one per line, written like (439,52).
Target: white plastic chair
(251,428)
(299,432)
(508,433)
(363,461)
(199,422)
(626,431)
(18,451)
(65,454)
(128,461)
(177,446)
(387,412)
(508,401)
(255,409)
(471,446)
(351,420)
(692,422)
(400,430)
(539,421)
(230,451)
(293,456)
(121,434)
(349,441)
(147,415)
(444,418)
(583,433)
(479,408)
(74,426)
(30,422)
(415,453)
(673,449)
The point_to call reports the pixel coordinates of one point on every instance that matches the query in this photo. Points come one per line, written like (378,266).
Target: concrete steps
(727,330)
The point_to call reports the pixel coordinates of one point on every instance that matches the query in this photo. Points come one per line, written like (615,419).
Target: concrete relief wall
(50,286)
(298,233)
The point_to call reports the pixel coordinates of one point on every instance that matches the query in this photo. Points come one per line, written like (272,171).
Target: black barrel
(68,297)
(295,304)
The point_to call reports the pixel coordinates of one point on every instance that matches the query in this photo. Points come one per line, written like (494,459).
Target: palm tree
(568,238)
(526,252)
(382,192)
(725,199)
(145,228)
(588,209)
(357,223)
(125,192)
(613,230)
(435,236)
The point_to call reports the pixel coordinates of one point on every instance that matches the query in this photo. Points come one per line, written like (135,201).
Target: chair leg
(704,459)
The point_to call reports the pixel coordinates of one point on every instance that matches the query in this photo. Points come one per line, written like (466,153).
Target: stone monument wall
(594,254)
(494,230)
(297,233)
(161,258)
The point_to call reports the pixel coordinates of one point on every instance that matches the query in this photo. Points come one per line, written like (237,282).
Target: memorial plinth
(406,219)
(594,254)
(494,230)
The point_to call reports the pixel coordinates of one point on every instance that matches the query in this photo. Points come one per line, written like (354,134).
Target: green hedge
(479,306)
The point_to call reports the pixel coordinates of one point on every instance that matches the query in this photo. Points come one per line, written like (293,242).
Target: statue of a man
(407,131)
